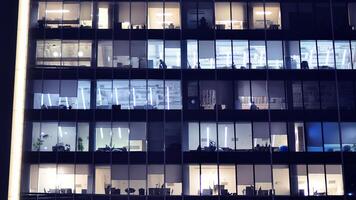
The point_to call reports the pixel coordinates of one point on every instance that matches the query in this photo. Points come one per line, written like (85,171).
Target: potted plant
(80,146)
(39,141)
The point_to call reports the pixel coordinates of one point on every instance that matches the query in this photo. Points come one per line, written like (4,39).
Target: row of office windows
(194,180)
(201,54)
(201,15)
(204,95)
(194,136)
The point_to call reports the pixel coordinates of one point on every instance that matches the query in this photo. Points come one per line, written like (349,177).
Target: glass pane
(171,15)
(155,15)
(226,136)
(308,54)
(240,54)
(223,54)
(258,54)
(343,55)
(206,54)
(155,54)
(239,15)
(326,54)
(222,15)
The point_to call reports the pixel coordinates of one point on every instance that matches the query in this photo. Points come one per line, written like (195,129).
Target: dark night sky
(8,16)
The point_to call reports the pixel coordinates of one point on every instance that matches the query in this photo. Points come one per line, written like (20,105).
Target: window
(138,179)
(226,137)
(259,95)
(155,54)
(277,99)
(325,54)
(334,180)
(257,16)
(60,136)
(63,53)
(291,54)
(173,141)
(353,54)
(272,16)
(163,17)
(112,137)
(104,15)
(308,54)
(63,94)
(241,54)
(328,95)
(352,15)
(124,14)
(300,174)
(346,95)
(105,54)
(172,54)
(138,54)
(51,178)
(227,180)
(343,55)
(243,136)
(316,177)
(261,138)
(215,95)
(125,94)
(192,135)
(245,180)
(206,54)
(274,54)
(64,15)
(208,140)
(257,54)
(223,15)
(242,95)
(155,137)
(279,141)
(239,15)
(138,15)
(311,95)
(223,54)
(155,179)
(298,137)
(172,15)
(348,136)
(208,176)
(121,56)
(331,136)
(155,15)
(265,16)
(192,55)
(281,179)
(314,137)
(173,179)
(297,95)
(263,180)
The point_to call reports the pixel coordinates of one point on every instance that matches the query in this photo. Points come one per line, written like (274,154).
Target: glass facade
(190,100)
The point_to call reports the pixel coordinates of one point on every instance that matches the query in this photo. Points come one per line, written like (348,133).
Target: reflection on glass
(240,54)
(223,54)
(325,54)
(258,54)
(308,54)
(343,55)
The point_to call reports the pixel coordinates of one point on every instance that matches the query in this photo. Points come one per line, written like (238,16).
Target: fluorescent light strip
(19,100)
(83,98)
(167,95)
(57,11)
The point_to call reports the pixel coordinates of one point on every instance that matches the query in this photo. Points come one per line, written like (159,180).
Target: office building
(189,99)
